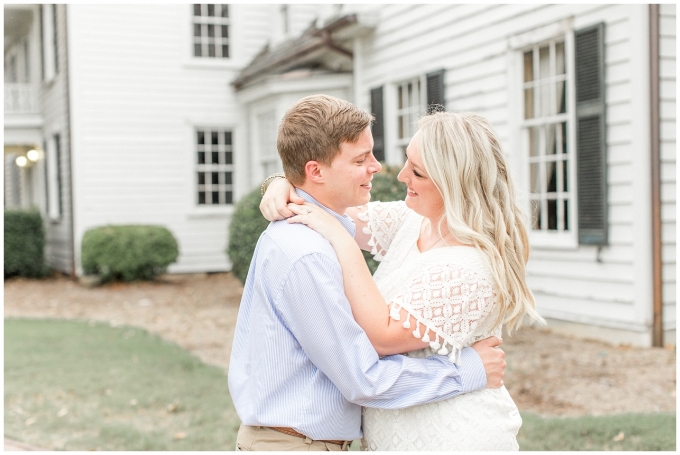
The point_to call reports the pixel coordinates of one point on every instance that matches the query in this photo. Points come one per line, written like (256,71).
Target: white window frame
(204,40)
(412,108)
(270,161)
(48,42)
(208,167)
(562,31)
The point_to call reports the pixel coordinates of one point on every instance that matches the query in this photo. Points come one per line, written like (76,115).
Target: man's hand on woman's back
(493,359)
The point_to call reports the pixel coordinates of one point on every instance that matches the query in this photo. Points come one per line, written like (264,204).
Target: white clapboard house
(168,115)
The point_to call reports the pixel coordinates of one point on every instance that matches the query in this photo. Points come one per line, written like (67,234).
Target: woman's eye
(416,173)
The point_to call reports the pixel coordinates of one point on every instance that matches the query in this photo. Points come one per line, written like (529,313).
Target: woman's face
(422,196)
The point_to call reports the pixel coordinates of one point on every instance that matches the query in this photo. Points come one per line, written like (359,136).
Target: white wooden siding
(137,96)
(59,248)
(667,76)
(471,43)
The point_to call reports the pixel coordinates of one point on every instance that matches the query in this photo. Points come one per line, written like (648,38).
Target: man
(301,367)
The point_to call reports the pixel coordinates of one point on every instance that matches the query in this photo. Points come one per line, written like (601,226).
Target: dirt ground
(547,374)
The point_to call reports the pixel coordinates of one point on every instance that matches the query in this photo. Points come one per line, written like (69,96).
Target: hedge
(247,223)
(24,244)
(128,252)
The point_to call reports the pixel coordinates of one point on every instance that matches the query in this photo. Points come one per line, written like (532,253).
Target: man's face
(347,181)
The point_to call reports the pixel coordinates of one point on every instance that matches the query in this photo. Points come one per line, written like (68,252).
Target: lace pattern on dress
(383,220)
(448,301)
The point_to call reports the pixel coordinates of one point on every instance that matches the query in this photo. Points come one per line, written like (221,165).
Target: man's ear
(313,171)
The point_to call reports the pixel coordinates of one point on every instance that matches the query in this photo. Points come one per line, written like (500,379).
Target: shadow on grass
(77,386)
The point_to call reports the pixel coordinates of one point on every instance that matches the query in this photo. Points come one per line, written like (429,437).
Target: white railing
(22,99)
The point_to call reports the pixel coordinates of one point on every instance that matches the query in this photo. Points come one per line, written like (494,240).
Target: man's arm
(318,314)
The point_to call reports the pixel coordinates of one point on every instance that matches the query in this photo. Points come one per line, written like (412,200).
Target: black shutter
(591,153)
(378,126)
(435,91)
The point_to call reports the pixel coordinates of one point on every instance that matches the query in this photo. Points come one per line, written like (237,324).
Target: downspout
(655,149)
(70,142)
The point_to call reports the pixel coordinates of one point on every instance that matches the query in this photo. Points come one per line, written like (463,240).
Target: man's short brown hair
(313,129)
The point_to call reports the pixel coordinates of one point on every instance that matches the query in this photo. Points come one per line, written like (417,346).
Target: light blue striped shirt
(299,358)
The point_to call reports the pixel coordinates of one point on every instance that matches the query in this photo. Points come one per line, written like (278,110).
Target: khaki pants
(263,438)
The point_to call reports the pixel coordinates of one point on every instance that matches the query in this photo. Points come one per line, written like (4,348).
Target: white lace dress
(448,292)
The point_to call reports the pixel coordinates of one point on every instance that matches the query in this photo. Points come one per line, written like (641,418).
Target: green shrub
(24,244)
(245,228)
(128,253)
(247,223)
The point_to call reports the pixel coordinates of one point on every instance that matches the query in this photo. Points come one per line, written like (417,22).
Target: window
(49,42)
(214,167)
(546,128)
(211,31)
(410,102)
(54,208)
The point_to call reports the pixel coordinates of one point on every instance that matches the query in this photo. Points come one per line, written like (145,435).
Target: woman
(452,269)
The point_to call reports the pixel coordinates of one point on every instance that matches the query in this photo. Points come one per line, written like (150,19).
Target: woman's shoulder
(459,257)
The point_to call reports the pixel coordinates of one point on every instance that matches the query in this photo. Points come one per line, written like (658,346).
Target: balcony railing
(22,99)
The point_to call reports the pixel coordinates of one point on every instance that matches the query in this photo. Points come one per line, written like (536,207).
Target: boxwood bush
(128,252)
(247,223)
(24,244)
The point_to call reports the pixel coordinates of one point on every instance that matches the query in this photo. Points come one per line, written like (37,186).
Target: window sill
(219,211)
(553,240)
(212,63)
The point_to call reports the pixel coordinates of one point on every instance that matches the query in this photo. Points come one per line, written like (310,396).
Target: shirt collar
(345,220)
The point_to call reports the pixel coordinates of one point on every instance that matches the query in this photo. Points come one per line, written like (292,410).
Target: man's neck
(322,198)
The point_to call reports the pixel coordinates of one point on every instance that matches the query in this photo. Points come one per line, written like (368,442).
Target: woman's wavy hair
(463,157)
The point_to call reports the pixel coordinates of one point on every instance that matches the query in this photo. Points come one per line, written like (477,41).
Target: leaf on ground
(30,421)
(62,412)
(619,437)
(180,435)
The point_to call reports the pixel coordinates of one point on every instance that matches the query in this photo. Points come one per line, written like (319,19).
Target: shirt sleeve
(449,301)
(315,309)
(383,220)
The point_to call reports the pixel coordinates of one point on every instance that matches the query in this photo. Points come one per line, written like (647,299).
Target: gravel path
(548,374)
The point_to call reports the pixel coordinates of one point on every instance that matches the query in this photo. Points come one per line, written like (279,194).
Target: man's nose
(376,166)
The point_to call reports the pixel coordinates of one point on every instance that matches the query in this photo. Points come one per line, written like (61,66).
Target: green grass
(78,386)
(640,432)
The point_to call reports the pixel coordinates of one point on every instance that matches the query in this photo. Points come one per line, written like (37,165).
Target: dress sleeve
(449,301)
(383,220)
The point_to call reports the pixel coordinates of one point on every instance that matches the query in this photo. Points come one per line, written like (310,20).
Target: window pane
(228,197)
(211,30)
(535,215)
(215,197)
(227,178)
(551,176)
(552,215)
(225,50)
(400,98)
(402,119)
(227,138)
(563,127)
(551,139)
(197,50)
(559,58)
(201,157)
(197,10)
(535,178)
(565,172)
(214,159)
(544,62)
(544,100)
(197,29)
(201,178)
(211,10)
(529,103)
(213,138)
(227,158)
(201,197)
(561,91)
(200,136)
(528,66)
(224,30)
(211,50)
(534,141)
(566,215)
(225,10)
(215,179)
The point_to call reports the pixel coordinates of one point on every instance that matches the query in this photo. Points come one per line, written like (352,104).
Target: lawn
(78,386)
(81,386)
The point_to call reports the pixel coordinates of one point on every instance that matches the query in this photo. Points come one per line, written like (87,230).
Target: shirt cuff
(471,370)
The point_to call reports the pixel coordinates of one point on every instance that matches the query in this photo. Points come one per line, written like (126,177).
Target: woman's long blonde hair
(464,159)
